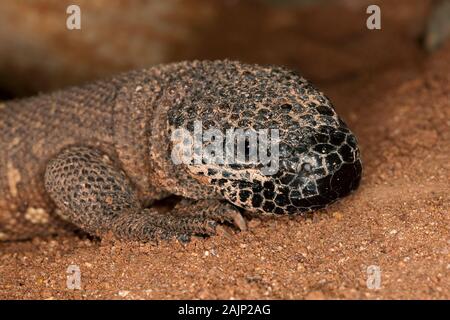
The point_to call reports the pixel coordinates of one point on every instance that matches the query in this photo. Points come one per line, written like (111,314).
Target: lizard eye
(305,167)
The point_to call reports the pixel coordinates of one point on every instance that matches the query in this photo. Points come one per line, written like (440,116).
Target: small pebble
(123,293)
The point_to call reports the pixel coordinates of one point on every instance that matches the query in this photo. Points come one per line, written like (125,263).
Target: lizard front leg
(96,195)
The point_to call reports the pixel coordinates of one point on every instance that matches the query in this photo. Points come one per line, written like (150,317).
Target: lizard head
(268,141)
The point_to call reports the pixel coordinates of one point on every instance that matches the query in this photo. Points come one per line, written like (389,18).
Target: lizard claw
(238,220)
(222,231)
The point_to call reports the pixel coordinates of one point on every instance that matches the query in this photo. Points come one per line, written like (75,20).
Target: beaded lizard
(96,156)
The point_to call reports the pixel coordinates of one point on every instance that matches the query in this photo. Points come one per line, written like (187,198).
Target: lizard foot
(188,218)
(149,225)
(216,210)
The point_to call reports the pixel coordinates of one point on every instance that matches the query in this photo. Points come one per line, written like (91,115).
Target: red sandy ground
(397,220)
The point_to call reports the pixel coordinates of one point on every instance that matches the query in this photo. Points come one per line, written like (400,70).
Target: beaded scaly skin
(95,156)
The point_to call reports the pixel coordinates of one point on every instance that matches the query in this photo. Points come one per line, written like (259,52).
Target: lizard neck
(134,109)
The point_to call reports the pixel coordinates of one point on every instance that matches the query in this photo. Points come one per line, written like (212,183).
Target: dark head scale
(319,159)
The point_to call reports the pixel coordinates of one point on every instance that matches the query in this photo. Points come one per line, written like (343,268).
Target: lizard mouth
(314,194)
(321,176)
(334,186)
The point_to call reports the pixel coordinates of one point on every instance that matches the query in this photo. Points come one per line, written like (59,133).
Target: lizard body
(93,156)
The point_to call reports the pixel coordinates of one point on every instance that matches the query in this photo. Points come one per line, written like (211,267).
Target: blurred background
(325,40)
